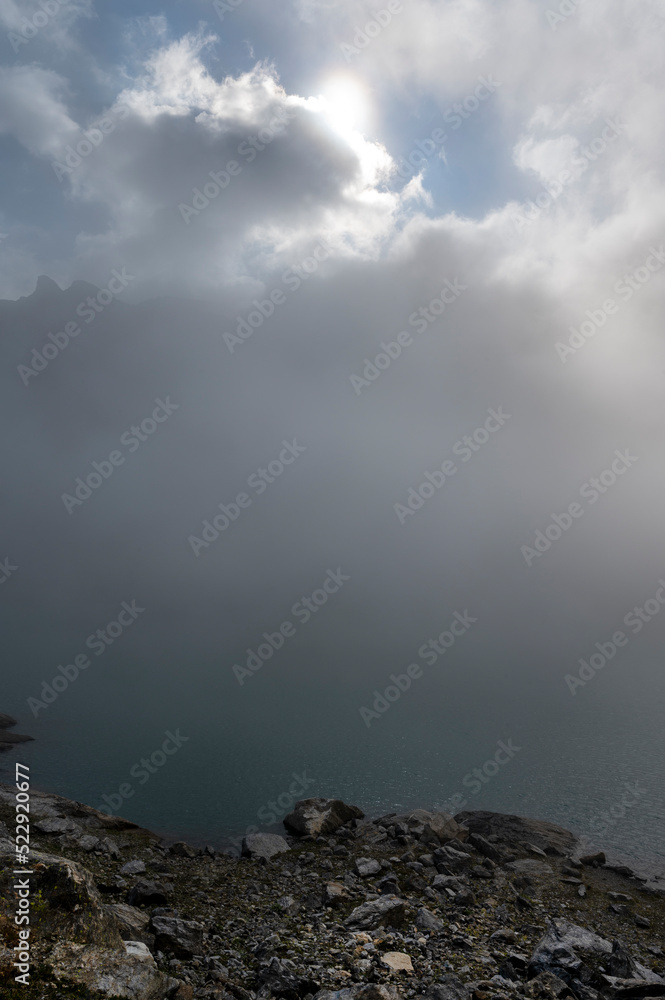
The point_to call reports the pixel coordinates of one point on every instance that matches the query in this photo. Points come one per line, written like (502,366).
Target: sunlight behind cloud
(345,104)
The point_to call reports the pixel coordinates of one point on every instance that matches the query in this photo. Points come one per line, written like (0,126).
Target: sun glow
(345,104)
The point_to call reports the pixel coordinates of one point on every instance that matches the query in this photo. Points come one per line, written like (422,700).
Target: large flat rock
(518,830)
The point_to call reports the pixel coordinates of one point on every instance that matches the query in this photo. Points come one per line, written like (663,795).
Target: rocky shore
(482,906)
(7,738)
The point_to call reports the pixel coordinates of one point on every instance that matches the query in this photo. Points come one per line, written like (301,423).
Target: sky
(408,261)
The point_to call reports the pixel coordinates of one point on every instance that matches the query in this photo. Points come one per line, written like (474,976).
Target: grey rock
(367,866)
(447,988)
(57,825)
(263,845)
(451,858)
(442,882)
(287,904)
(146,893)
(559,946)
(478,871)
(130,973)
(546,984)
(140,950)
(594,859)
(387,911)
(132,922)
(430,827)
(427,921)
(529,866)
(183,938)
(182,850)
(135,867)
(110,847)
(514,830)
(621,963)
(370,991)
(313,817)
(88,843)
(484,847)
(504,936)
(278,980)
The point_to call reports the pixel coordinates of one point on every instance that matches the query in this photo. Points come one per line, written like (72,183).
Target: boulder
(88,843)
(57,825)
(317,817)
(84,943)
(593,859)
(367,866)
(397,961)
(547,986)
(515,830)
(443,882)
(371,991)
(387,911)
(559,947)
(263,845)
(131,922)
(182,850)
(621,963)
(484,847)
(280,981)
(146,893)
(335,894)
(71,906)
(447,988)
(434,827)
(133,868)
(183,938)
(129,973)
(427,921)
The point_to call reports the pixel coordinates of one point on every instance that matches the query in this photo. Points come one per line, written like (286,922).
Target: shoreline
(401,905)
